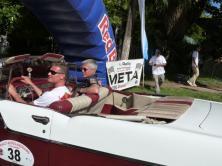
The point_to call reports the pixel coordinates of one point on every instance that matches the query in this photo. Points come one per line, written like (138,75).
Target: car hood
(203,116)
(212,123)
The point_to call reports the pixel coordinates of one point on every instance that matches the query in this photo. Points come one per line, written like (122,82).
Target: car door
(25,134)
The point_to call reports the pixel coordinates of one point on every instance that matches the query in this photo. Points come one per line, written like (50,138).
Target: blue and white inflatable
(81,29)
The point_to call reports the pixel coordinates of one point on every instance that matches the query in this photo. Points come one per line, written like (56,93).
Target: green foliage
(9,14)
(24,32)
(212,24)
(196,32)
(210,82)
(29,36)
(192,93)
(117,10)
(174,91)
(180,92)
(167,23)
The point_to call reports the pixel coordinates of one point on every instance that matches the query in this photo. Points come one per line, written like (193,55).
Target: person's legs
(161,79)
(156,79)
(192,80)
(195,76)
(189,82)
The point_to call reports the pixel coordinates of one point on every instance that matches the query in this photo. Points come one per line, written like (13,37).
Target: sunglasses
(54,72)
(85,69)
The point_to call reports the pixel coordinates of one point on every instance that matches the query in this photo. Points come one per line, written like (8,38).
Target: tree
(174,26)
(211,22)
(33,39)
(169,23)
(117,10)
(128,31)
(9,14)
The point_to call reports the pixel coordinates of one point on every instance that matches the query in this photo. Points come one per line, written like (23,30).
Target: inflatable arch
(81,29)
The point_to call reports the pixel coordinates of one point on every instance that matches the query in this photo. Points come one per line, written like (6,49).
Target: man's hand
(26,80)
(12,90)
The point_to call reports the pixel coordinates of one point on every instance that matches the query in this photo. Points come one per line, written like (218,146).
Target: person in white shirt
(158,62)
(56,76)
(195,68)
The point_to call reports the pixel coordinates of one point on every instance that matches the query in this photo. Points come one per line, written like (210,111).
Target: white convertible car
(119,129)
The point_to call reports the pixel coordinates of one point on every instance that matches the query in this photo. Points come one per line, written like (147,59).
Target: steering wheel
(24,90)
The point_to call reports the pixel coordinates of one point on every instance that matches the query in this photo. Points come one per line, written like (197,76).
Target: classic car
(121,128)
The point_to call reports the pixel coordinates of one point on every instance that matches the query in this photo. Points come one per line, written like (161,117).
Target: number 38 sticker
(16,152)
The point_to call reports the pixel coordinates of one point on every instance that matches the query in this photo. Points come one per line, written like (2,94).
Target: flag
(144,41)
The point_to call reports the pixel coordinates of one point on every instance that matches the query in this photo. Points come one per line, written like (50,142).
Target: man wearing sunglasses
(56,76)
(90,84)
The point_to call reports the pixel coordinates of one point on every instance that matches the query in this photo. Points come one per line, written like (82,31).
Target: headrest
(80,102)
(103,92)
(73,104)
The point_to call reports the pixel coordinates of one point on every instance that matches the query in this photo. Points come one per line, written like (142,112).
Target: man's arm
(28,81)
(161,65)
(194,56)
(163,62)
(15,95)
(94,88)
(151,62)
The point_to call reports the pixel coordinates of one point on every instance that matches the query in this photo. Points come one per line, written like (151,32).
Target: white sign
(124,74)
(16,152)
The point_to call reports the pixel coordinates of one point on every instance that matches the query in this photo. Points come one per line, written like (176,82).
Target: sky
(216,4)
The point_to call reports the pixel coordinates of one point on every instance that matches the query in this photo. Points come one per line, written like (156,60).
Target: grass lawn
(192,93)
(173,91)
(211,83)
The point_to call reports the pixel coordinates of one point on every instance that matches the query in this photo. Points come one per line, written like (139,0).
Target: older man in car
(90,84)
